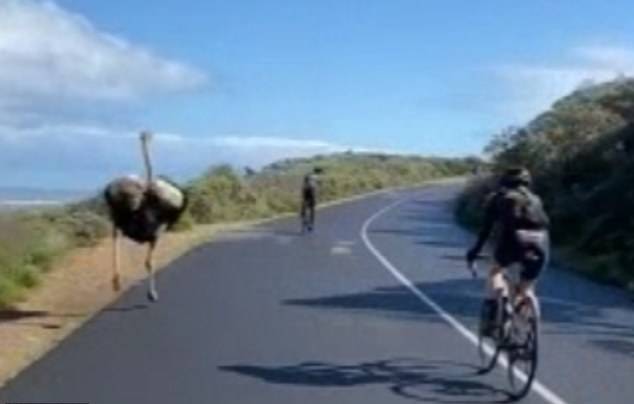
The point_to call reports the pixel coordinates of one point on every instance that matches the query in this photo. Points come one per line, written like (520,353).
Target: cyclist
(309,198)
(521,224)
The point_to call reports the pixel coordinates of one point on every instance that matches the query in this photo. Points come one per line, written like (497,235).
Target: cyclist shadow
(426,381)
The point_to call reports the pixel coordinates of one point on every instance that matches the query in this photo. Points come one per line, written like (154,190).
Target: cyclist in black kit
(309,199)
(522,235)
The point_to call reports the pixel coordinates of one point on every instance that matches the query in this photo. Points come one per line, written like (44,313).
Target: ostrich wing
(125,194)
(168,193)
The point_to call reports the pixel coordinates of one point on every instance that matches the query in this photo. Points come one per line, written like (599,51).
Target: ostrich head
(146,137)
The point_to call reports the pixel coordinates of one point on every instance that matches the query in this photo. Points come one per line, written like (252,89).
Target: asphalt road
(348,314)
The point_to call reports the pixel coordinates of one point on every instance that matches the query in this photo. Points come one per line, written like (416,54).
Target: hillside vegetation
(223,195)
(30,242)
(581,153)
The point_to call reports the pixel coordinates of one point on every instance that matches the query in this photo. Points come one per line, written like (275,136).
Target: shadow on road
(15,314)
(126,309)
(42,318)
(415,379)
(392,302)
(593,321)
(617,346)
(33,318)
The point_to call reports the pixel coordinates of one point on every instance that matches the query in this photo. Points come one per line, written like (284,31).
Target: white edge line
(537,387)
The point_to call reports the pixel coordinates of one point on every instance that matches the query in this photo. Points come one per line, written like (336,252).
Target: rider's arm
(489,221)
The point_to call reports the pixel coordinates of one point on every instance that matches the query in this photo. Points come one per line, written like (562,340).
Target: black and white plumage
(142,209)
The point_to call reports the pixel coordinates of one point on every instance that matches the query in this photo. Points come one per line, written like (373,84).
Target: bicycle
(515,332)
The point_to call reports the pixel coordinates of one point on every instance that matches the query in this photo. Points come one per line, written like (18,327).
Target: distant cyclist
(521,224)
(309,198)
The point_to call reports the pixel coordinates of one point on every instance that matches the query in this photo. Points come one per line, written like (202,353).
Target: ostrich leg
(152,294)
(116,280)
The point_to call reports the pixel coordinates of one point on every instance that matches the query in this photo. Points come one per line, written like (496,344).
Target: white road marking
(342,247)
(340,250)
(537,387)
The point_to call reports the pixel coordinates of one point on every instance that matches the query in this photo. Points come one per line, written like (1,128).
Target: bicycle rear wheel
(523,348)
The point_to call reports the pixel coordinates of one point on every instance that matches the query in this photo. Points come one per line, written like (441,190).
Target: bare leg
(497,286)
(497,291)
(526,290)
(149,266)
(312,215)
(116,279)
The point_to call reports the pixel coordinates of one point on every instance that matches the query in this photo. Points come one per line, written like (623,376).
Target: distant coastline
(21,202)
(14,205)
(12,199)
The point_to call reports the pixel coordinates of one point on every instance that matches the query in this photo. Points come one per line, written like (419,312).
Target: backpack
(527,209)
(310,182)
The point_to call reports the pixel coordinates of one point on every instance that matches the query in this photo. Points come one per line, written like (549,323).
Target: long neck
(146,159)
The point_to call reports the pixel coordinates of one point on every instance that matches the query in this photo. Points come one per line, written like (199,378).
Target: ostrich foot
(152,295)
(116,283)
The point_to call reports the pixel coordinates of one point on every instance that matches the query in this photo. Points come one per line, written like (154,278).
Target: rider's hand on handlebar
(472,255)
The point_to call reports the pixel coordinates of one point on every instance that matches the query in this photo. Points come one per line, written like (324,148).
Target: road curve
(270,316)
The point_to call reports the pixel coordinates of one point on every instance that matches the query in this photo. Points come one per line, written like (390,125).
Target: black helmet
(516,176)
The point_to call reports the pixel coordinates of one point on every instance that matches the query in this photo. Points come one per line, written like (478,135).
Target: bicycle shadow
(441,382)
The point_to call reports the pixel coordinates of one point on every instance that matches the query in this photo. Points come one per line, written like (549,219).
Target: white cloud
(534,87)
(52,59)
(58,71)
(255,142)
(88,156)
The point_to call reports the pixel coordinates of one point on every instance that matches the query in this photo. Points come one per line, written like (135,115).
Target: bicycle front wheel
(523,348)
(488,337)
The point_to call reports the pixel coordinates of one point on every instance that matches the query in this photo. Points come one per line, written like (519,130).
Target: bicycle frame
(512,279)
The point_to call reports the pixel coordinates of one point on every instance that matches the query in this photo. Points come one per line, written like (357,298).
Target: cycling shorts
(529,248)
(309,196)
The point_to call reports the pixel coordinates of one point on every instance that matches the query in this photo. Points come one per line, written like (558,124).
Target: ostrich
(141,210)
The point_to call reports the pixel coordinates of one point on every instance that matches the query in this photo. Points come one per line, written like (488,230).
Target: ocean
(12,199)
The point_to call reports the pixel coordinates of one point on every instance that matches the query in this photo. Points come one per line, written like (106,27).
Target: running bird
(142,209)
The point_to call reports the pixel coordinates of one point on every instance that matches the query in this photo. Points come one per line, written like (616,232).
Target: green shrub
(28,247)
(469,207)
(85,228)
(185,223)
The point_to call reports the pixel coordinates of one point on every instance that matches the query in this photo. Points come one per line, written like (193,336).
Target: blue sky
(248,82)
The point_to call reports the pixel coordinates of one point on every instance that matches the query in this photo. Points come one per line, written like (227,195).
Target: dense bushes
(581,153)
(468,208)
(223,195)
(27,248)
(30,242)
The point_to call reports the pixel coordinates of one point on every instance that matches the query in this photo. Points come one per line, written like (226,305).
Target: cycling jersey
(309,189)
(522,230)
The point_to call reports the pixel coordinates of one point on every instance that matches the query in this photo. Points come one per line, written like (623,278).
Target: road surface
(374,307)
